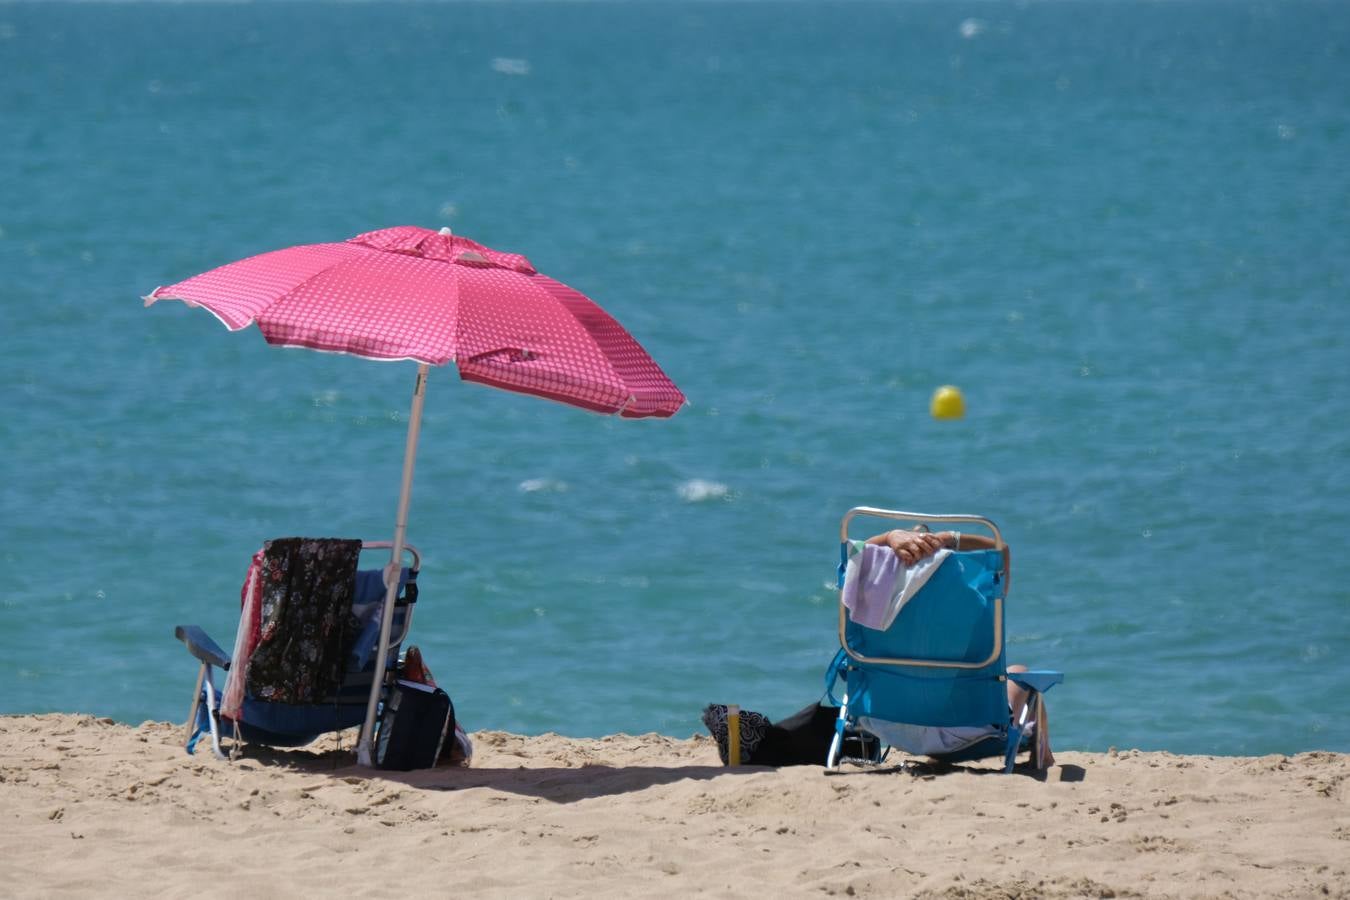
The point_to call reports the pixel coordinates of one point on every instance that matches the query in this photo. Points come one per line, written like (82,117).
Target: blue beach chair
(270,714)
(933,682)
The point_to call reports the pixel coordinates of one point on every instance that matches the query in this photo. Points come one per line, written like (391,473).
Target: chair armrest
(200,645)
(1039,680)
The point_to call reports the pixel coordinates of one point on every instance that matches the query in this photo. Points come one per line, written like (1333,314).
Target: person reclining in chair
(803,739)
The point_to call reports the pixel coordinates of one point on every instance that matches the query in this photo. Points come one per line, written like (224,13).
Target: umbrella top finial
(445,231)
(443,245)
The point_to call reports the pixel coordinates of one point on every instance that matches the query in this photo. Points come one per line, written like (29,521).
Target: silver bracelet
(956,540)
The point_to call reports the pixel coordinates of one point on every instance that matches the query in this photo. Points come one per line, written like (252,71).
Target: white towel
(245,640)
(877,585)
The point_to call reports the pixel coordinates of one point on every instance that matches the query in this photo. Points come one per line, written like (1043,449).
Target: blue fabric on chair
(950,619)
(1037,679)
(369,598)
(370,585)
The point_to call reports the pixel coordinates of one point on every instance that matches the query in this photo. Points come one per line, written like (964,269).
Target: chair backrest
(941,662)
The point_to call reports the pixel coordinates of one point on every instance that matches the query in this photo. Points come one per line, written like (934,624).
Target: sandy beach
(89,807)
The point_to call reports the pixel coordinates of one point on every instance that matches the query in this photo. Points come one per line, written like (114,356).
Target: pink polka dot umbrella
(434,298)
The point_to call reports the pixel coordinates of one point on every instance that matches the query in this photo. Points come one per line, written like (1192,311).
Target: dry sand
(92,808)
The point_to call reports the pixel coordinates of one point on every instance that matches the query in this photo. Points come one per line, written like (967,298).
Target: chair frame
(1036,682)
(212,656)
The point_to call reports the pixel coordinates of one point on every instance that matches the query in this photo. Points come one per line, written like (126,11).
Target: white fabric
(925,740)
(877,585)
(232,698)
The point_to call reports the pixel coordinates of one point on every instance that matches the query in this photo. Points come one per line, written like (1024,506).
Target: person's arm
(912,546)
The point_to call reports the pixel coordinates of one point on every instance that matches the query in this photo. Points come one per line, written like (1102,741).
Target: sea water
(1122,229)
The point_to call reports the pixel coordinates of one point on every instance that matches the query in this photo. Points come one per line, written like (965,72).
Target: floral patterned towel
(302,618)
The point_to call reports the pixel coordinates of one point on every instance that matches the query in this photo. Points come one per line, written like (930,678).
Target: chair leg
(1015,732)
(832,758)
(214,718)
(190,728)
(1010,755)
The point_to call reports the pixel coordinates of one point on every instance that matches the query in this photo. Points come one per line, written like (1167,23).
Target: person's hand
(912,546)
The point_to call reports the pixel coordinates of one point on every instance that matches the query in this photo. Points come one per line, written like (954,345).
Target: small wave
(696,490)
(971,28)
(547,485)
(324,398)
(508,66)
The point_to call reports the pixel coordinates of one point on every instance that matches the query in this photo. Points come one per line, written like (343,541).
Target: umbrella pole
(364,751)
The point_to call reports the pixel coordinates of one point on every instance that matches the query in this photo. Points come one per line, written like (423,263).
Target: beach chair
(930,675)
(309,646)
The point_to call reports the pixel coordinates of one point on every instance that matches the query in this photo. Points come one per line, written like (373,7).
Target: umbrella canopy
(434,297)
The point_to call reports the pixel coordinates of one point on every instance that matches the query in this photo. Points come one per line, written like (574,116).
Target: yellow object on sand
(947,403)
(733,735)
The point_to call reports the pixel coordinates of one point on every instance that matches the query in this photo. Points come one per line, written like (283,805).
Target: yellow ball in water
(947,403)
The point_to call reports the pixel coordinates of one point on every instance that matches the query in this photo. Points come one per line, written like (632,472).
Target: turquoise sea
(1121,228)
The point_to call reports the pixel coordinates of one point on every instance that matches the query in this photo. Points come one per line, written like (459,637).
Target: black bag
(802,739)
(416,720)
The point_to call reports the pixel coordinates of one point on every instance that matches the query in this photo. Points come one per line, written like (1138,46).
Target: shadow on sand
(568,784)
(557,784)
